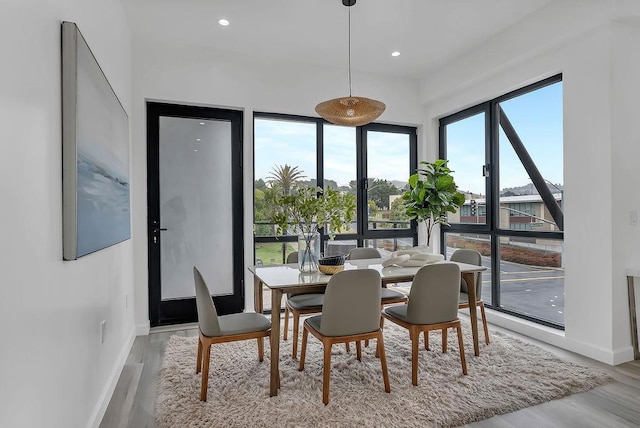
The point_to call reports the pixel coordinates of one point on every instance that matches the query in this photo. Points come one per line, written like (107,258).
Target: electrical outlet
(633,217)
(103,327)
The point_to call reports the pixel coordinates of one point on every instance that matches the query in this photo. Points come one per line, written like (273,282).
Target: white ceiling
(428,33)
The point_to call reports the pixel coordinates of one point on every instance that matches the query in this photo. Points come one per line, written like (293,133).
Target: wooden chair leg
(347,347)
(381,327)
(296,326)
(383,362)
(260,349)
(205,372)
(415,338)
(286,322)
(444,340)
(326,372)
(484,323)
(303,352)
(426,339)
(463,360)
(359,350)
(199,362)
(366,343)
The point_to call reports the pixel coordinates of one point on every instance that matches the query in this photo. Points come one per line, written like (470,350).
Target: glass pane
(388,171)
(340,162)
(532,277)
(480,243)
(466,156)
(195,172)
(285,158)
(388,245)
(274,253)
(537,119)
(336,247)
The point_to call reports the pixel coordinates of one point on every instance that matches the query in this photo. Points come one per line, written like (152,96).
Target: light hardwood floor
(616,404)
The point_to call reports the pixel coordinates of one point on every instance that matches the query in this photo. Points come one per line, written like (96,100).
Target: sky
(536,116)
(281,142)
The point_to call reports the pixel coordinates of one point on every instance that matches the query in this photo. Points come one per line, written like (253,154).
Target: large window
(372,162)
(507,159)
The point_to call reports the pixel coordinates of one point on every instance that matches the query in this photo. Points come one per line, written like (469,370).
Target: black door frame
(176,311)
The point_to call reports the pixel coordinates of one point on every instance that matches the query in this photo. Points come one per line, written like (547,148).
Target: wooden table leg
(470,278)
(257,295)
(276,298)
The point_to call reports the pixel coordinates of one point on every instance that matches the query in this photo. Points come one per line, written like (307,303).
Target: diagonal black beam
(532,170)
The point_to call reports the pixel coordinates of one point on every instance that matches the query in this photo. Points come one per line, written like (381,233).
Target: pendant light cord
(349,51)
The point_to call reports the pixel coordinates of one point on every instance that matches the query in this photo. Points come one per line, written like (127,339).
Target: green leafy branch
(309,209)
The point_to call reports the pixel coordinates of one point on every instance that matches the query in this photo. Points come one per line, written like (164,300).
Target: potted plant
(433,193)
(307,210)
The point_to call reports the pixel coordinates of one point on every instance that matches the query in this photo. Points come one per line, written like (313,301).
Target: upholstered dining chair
(471,257)
(220,329)
(299,304)
(433,305)
(350,312)
(387,296)
(359,253)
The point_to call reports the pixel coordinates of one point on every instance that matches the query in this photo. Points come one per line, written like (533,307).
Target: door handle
(155,231)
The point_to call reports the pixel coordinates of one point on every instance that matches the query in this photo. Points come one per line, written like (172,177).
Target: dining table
(287,278)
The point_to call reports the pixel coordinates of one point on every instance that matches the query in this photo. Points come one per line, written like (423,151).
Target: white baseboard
(558,338)
(607,356)
(143,329)
(112,381)
(540,332)
(623,355)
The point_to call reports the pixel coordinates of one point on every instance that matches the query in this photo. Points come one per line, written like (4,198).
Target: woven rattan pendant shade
(350,111)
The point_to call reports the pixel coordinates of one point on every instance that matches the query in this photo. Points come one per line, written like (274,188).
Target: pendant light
(350,111)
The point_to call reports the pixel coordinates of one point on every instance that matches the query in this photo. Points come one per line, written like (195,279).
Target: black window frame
(363,233)
(491,228)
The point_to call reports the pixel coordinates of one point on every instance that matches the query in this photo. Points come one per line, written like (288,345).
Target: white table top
(278,276)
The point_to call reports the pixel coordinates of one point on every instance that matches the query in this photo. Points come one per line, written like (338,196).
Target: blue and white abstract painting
(102,159)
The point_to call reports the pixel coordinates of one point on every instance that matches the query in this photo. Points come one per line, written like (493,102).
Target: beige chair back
(434,294)
(364,253)
(351,303)
(207,314)
(292,258)
(471,257)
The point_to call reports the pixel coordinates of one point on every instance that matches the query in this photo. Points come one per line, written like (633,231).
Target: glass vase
(308,252)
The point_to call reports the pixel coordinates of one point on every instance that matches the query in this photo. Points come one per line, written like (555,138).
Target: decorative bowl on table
(332,264)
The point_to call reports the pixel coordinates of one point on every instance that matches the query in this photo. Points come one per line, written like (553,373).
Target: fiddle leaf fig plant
(433,193)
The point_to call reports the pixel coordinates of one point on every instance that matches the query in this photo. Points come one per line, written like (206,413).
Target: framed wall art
(95,153)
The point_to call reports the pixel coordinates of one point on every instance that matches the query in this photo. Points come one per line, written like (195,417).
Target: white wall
(601,88)
(54,371)
(625,157)
(191,75)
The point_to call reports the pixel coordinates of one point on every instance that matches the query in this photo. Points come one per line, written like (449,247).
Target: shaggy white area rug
(508,375)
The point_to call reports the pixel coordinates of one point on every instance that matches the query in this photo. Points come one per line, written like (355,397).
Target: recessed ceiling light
(223,22)
(197,139)
(396,53)
(195,150)
(201,123)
